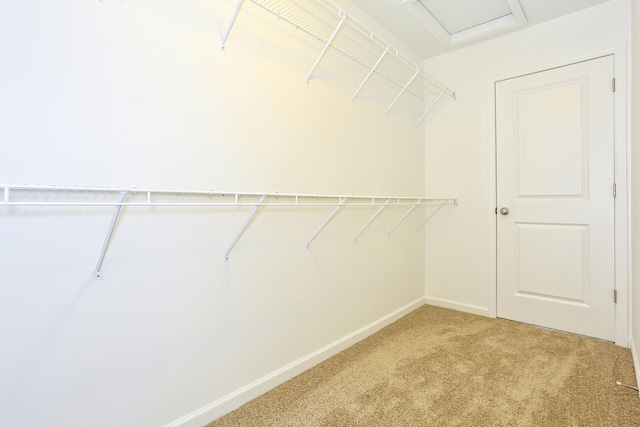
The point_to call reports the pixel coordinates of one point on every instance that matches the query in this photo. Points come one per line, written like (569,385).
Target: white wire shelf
(51,195)
(335,28)
(14,196)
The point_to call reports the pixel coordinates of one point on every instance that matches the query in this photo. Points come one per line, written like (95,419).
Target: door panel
(555,174)
(553,261)
(558,130)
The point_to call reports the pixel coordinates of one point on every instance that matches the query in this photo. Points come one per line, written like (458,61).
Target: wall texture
(460,150)
(138,93)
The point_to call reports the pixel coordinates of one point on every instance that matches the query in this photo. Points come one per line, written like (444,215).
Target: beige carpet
(438,367)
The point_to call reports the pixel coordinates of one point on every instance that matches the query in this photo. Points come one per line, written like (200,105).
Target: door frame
(621,173)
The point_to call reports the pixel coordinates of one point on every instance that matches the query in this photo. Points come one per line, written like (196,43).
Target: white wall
(138,93)
(460,146)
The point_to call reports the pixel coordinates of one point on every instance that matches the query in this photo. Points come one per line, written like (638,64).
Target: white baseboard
(636,364)
(454,305)
(228,403)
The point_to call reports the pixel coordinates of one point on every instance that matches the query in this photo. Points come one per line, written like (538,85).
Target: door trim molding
(622,170)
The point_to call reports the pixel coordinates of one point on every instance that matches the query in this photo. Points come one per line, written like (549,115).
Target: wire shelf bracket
(343,200)
(404,89)
(401,220)
(429,217)
(378,212)
(324,50)
(373,70)
(428,110)
(244,226)
(225,36)
(97,275)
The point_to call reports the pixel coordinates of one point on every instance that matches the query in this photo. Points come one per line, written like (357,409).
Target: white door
(555,181)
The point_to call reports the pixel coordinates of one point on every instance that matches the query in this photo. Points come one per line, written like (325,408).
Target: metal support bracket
(343,200)
(373,69)
(430,108)
(97,274)
(355,239)
(402,219)
(429,217)
(404,89)
(244,226)
(326,47)
(233,19)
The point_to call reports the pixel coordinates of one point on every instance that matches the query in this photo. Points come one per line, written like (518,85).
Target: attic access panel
(454,22)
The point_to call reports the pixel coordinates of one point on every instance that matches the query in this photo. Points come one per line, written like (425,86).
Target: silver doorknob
(504,211)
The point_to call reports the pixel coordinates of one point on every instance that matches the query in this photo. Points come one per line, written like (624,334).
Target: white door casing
(555,174)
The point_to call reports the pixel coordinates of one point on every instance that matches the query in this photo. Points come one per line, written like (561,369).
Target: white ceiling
(456,16)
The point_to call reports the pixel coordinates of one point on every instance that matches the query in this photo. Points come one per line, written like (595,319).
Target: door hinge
(613,85)
(615,190)
(615,296)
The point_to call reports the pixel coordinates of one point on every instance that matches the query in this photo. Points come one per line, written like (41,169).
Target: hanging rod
(38,195)
(323,20)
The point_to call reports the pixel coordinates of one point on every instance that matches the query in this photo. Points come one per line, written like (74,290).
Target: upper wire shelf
(333,26)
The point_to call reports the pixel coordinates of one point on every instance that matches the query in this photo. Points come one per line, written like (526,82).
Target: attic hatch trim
(419,12)
(335,28)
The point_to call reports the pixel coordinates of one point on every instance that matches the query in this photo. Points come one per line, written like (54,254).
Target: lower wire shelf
(65,196)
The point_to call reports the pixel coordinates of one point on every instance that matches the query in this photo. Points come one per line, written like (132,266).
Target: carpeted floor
(439,367)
